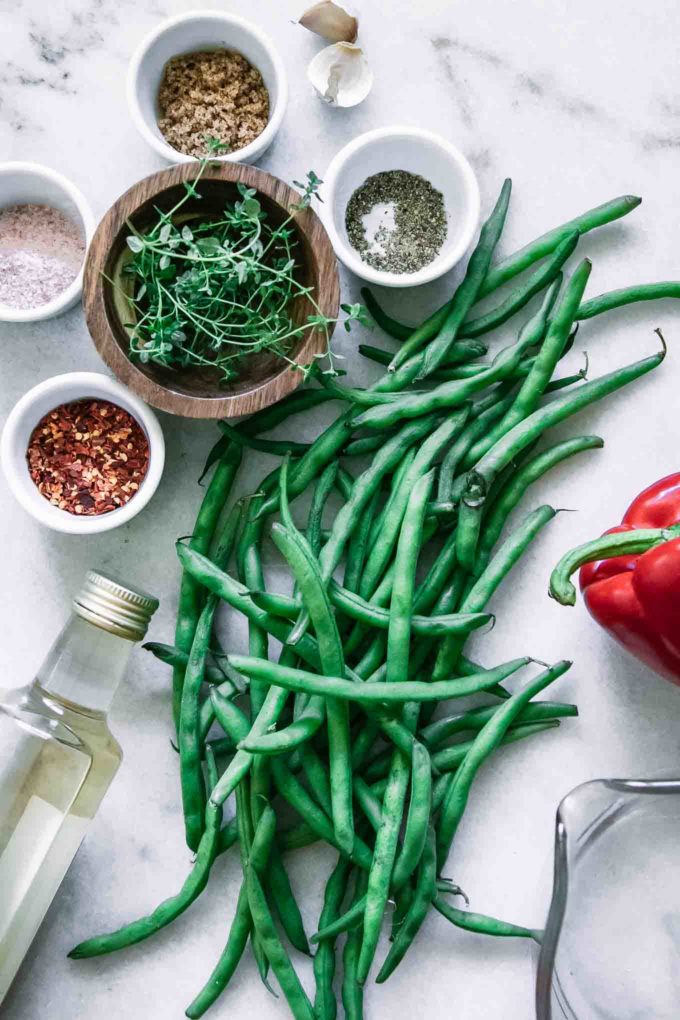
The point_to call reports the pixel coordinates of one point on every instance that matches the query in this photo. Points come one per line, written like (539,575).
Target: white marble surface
(576,101)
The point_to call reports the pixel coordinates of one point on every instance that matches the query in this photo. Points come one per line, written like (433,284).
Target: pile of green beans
(333,737)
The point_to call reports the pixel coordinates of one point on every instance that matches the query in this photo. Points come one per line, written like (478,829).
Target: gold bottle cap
(108,603)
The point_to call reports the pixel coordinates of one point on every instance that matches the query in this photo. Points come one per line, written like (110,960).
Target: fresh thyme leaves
(211,290)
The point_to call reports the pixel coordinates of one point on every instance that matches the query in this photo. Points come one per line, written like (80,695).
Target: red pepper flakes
(88,457)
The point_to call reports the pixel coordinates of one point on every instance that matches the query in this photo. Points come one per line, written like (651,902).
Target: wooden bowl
(199,393)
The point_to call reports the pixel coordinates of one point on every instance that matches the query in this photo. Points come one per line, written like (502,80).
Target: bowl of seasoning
(81,453)
(401,206)
(207,75)
(45,227)
(207,284)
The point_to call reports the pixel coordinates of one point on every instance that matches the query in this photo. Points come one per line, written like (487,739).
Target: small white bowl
(416,151)
(203,30)
(24,183)
(25,415)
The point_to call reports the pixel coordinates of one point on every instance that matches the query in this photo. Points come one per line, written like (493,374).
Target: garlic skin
(340,75)
(331,22)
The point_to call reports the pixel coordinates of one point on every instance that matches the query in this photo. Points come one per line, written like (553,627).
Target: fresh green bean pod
(417,911)
(170,909)
(190,593)
(325,1005)
(486,741)
(526,431)
(464,297)
(628,296)
(482,923)
(551,351)
(512,265)
(352,990)
(370,692)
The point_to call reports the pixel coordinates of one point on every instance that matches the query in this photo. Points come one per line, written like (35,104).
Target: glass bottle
(58,757)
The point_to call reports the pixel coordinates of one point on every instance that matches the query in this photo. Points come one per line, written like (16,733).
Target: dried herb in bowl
(210,291)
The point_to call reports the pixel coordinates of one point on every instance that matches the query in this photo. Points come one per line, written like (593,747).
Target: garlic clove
(331,22)
(341,75)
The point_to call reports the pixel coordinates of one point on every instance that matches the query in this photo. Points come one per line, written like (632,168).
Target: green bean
(229,959)
(336,687)
(354,606)
(172,656)
(190,752)
(511,493)
(447,726)
(387,458)
(488,581)
(268,418)
(516,300)
(401,605)
(368,802)
(250,569)
(365,444)
(311,464)
(308,575)
(352,991)
(325,1006)
(453,393)
(551,351)
(397,329)
(384,852)
(482,923)
(394,496)
(446,395)
(292,790)
(415,830)
(486,741)
(356,553)
(275,447)
(627,296)
(449,758)
(241,763)
(624,543)
(245,826)
(286,904)
(426,456)
(522,294)
(477,427)
(190,593)
(526,431)
(462,352)
(464,297)
(520,260)
(294,735)
(237,596)
(289,982)
(417,911)
(317,778)
(169,909)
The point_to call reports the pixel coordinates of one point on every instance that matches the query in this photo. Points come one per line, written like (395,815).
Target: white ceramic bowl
(26,414)
(203,30)
(419,152)
(22,183)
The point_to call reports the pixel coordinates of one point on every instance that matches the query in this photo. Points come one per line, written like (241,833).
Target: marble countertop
(575,101)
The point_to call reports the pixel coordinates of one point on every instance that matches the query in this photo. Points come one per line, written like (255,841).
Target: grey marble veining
(575,100)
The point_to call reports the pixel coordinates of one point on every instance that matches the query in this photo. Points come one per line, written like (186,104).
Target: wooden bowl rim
(186,405)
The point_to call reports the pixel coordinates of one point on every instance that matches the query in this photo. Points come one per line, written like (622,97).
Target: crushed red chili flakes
(88,457)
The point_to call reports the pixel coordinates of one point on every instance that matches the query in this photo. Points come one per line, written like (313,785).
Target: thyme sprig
(211,292)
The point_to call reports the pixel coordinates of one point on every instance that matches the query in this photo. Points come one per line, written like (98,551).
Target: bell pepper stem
(621,544)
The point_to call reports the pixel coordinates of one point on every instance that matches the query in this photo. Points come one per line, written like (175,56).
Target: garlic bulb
(331,22)
(341,75)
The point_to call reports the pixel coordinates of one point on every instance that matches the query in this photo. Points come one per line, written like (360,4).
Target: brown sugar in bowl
(199,393)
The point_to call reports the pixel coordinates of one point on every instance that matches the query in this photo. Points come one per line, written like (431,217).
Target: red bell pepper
(635,595)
